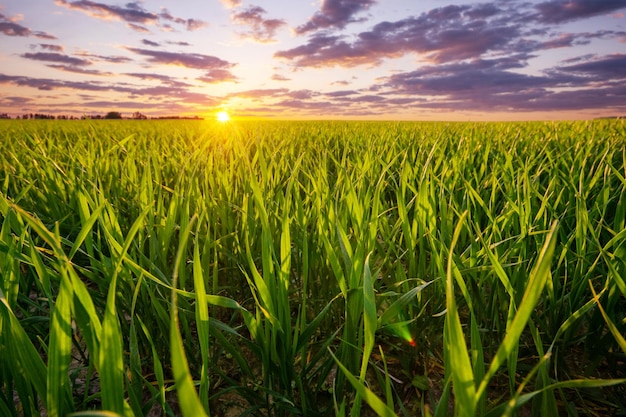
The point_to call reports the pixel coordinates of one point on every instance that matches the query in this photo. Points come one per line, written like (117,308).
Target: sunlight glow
(401,329)
(222,117)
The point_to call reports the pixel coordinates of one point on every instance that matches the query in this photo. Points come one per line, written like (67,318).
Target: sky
(315,59)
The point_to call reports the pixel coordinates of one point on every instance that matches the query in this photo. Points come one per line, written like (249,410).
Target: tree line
(112,115)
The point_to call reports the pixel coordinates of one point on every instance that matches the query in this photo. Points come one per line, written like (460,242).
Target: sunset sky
(314,59)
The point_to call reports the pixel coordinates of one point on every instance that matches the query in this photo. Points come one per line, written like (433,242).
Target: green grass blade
(190,404)
(59,353)
(202,324)
(457,352)
(370,398)
(619,338)
(22,351)
(369,317)
(537,280)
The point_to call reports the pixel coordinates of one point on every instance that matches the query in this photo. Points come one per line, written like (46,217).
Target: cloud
(138,28)
(164,79)
(342,93)
(132,13)
(260,93)
(50,47)
(442,34)
(280,77)
(150,43)
(161,92)
(46,84)
(56,57)
(198,61)
(231,4)
(79,70)
(217,75)
(489,85)
(10,28)
(335,14)
(450,34)
(610,67)
(179,43)
(560,11)
(116,59)
(261,29)
(190,24)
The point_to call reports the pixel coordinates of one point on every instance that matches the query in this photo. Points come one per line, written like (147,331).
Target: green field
(312,268)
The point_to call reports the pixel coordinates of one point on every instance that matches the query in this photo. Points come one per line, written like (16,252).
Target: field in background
(313,268)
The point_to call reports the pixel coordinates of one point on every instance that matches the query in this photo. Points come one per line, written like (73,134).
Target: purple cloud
(261,29)
(55,57)
(488,85)
(260,93)
(217,75)
(179,43)
(164,79)
(342,93)
(79,70)
(10,28)
(198,61)
(444,34)
(335,14)
(138,28)
(158,93)
(609,67)
(117,59)
(559,11)
(191,24)
(46,84)
(50,47)
(150,43)
(132,13)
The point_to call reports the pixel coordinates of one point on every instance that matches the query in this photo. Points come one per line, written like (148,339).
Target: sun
(222,116)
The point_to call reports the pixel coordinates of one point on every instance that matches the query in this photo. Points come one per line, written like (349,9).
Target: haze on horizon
(311,59)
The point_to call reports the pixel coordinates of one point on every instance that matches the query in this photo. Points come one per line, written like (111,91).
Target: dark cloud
(342,93)
(454,33)
(138,28)
(46,84)
(466,79)
(489,85)
(150,43)
(16,100)
(79,70)
(609,67)
(10,28)
(217,75)
(180,43)
(559,11)
(161,92)
(164,79)
(190,24)
(443,34)
(132,13)
(50,47)
(260,93)
(335,14)
(56,57)
(198,61)
(112,59)
(261,29)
